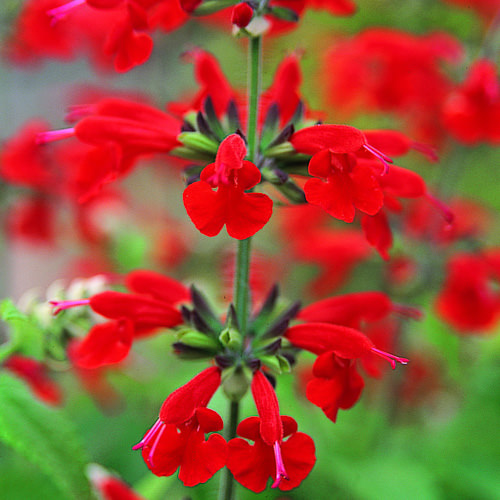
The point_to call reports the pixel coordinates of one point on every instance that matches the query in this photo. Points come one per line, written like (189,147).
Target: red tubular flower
(472,111)
(134,315)
(176,440)
(35,375)
(253,465)
(468,301)
(343,185)
(270,456)
(336,384)
(345,342)
(243,213)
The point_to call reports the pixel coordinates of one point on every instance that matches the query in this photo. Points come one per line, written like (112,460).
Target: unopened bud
(242,14)
(231,338)
(235,383)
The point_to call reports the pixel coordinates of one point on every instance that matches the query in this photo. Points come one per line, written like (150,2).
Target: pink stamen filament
(61,305)
(54,135)
(59,13)
(146,437)
(442,207)
(280,466)
(389,357)
(379,155)
(155,444)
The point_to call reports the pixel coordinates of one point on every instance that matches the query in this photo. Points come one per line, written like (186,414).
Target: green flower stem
(241,281)
(254,83)
(226,490)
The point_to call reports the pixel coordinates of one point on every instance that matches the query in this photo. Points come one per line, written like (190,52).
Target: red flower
(345,342)
(177,439)
(343,186)
(472,111)
(35,375)
(336,384)
(243,213)
(468,301)
(134,315)
(270,456)
(253,465)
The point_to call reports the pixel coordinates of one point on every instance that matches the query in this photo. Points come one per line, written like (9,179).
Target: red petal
(403,183)
(183,402)
(202,459)
(157,285)
(105,344)
(266,402)
(378,232)
(299,458)
(346,342)
(208,420)
(337,138)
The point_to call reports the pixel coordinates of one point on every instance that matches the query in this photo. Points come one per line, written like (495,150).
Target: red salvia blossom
(468,301)
(253,465)
(242,213)
(149,307)
(335,385)
(176,441)
(242,14)
(472,111)
(35,374)
(288,462)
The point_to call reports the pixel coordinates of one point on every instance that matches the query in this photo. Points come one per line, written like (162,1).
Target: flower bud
(235,383)
(242,14)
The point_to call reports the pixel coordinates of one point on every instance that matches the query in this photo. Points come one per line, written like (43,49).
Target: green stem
(241,281)
(254,83)
(226,490)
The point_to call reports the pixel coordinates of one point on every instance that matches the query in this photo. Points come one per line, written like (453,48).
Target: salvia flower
(242,213)
(177,439)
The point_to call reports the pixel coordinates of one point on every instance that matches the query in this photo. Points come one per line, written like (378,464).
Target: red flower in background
(242,213)
(468,301)
(177,439)
(386,70)
(472,111)
(35,374)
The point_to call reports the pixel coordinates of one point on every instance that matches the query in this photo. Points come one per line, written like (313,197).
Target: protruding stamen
(61,305)
(146,437)
(381,156)
(58,13)
(54,135)
(390,357)
(155,444)
(280,466)
(442,207)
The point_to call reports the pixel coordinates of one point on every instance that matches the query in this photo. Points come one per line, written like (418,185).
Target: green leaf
(44,437)
(25,336)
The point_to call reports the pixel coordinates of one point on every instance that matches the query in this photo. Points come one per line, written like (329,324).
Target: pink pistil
(58,13)
(389,357)
(379,155)
(442,207)
(54,135)
(61,305)
(280,466)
